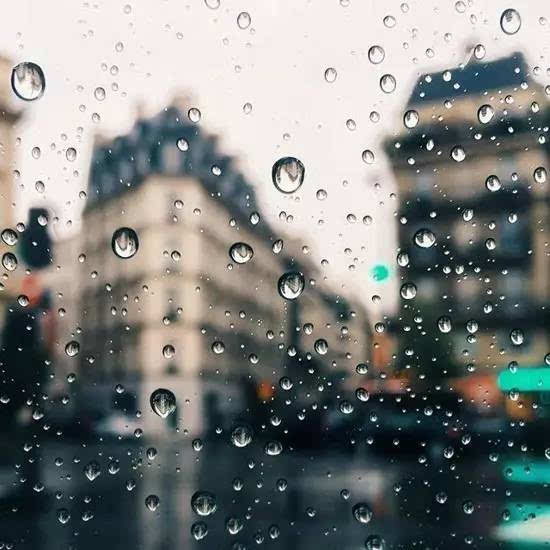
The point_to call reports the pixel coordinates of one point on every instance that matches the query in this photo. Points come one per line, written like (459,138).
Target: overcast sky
(277,64)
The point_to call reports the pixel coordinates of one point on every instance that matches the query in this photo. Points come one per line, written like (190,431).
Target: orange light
(265,391)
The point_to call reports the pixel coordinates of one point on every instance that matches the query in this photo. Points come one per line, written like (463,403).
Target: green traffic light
(380,272)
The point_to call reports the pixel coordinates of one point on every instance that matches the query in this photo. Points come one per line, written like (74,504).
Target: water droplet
(472,326)
(288,174)
(375,542)
(277,246)
(194,115)
(424,238)
(152,502)
(539,175)
(9,261)
(233,525)
(241,253)
(163,402)
(125,242)
(492,183)
(457,153)
(218,347)
(182,144)
(212,4)
(479,52)
(517,337)
(376,54)
(330,75)
(63,515)
(510,21)
(410,119)
(99,93)
(273,448)
(321,346)
(92,470)
(291,285)
(388,83)
(485,114)
(444,324)
(168,351)
(203,503)
(286,383)
(9,236)
(241,436)
(28,81)
(368,156)
(244,20)
(199,530)
(70,154)
(72,348)
(408,291)
(345,407)
(468,507)
(403,258)
(361,512)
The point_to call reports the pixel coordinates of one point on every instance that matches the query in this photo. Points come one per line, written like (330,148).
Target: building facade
(472,172)
(181,314)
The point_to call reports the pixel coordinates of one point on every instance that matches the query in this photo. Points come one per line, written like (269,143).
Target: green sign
(525,379)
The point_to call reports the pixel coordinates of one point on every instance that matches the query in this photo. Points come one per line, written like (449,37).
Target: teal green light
(525,379)
(535,472)
(380,272)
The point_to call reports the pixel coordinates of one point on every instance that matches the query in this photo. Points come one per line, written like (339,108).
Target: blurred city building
(181,314)
(470,168)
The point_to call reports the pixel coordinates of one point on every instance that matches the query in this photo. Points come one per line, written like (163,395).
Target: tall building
(181,314)
(470,167)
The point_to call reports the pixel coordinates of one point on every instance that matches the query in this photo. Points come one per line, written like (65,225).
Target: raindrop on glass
(241,253)
(28,81)
(125,242)
(288,174)
(424,238)
(510,21)
(163,402)
(203,503)
(291,285)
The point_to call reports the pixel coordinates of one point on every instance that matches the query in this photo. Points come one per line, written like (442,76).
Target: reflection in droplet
(510,21)
(291,285)
(163,402)
(376,54)
(288,174)
(203,503)
(388,83)
(125,242)
(444,324)
(424,238)
(485,114)
(241,253)
(28,81)
(410,119)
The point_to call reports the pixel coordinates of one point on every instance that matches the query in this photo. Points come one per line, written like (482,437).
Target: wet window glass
(274,274)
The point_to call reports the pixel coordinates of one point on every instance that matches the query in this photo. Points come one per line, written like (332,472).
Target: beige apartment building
(473,172)
(225,321)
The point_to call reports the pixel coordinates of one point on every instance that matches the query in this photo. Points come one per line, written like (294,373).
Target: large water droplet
(510,21)
(376,54)
(273,448)
(457,153)
(408,291)
(203,503)
(241,436)
(444,324)
(152,502)
(388,83)
(288,174)
(485,114)
(199,530)
(9,261)
(424,238)
(517,337)
(362,513)
(410,119)
(375,542)
(241,253)
(244,20)
(28,81)
(492,183)
(9,236)
(92,470)
(163,402)
(540,175)
(125,242)
(291,285)
(72,348)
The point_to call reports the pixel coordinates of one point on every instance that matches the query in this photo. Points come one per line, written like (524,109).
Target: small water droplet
(444,324)
(99,93)
(330,75)
(92,470)
(152,502)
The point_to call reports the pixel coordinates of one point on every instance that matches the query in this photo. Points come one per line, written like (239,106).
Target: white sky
(175,46)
